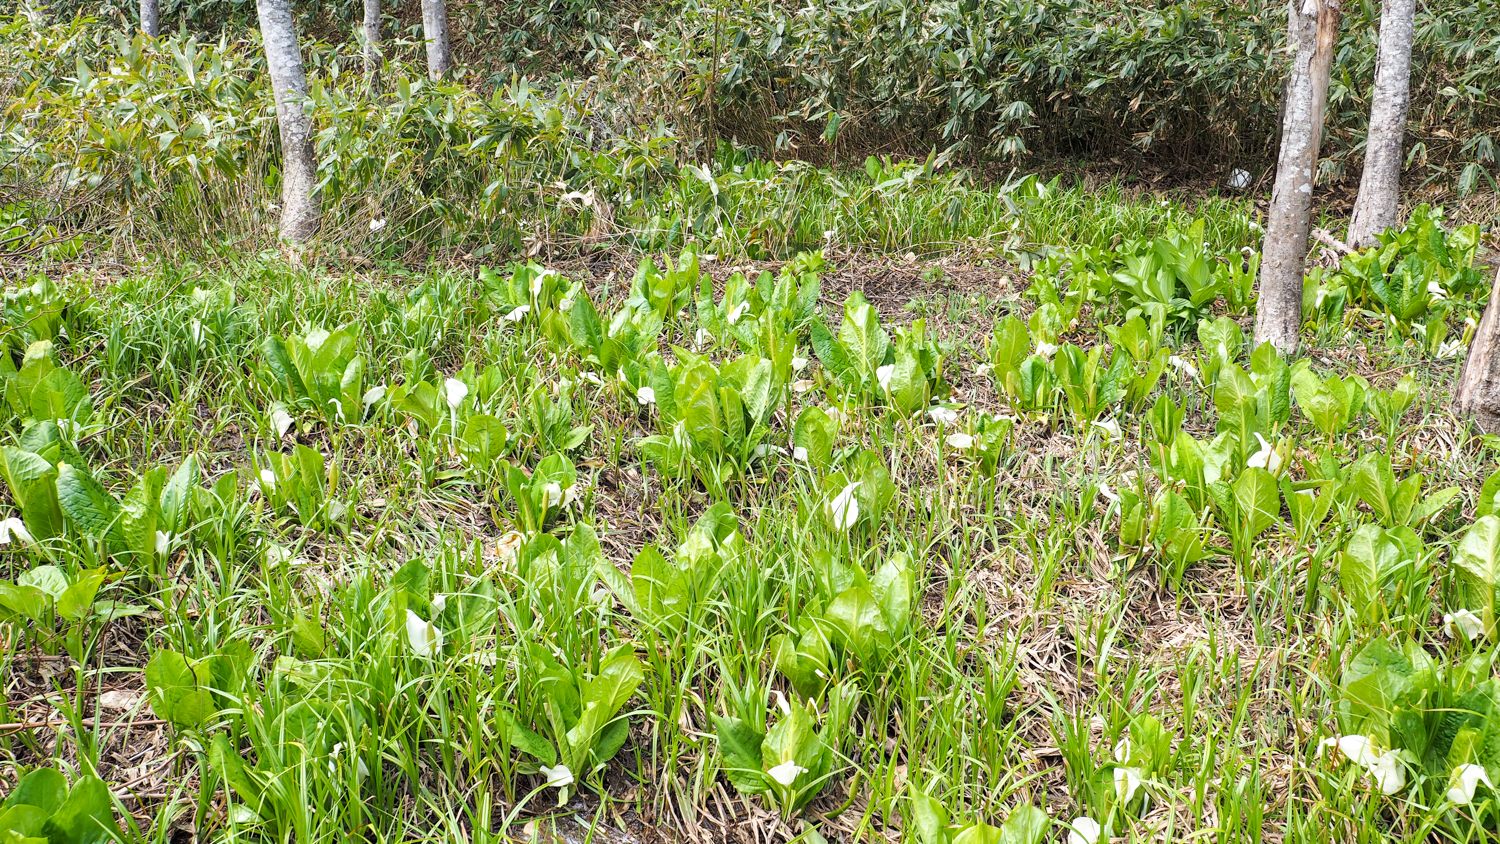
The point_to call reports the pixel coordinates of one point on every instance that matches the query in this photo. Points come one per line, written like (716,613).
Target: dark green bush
(1193,85)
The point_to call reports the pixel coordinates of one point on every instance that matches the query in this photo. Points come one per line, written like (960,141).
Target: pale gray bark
(435,32)
(151,17)
(299,167)
(1312,30)
(1478,392)
(372,41)
(1380,186)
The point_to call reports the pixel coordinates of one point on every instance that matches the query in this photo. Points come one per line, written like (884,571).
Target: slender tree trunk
(1380,186)
(435,31)
(1478,392)
(1312,29)
(373,59)
(151,17)
(299,168)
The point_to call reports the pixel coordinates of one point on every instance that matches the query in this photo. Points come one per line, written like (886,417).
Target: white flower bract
(1083,830)
(1463,623)
(844,508)
(786,773)
(425,638)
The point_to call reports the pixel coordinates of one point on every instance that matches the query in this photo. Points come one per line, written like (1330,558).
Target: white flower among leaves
(960,441)
(1183,365)
(558,777)
(454,392)
(1127,783)
(425,638)
(1463,623)
(163,543)
(281,420)
(1385,768)
(1083,830)
(1464,781)
(1388,772)
(786,773)
(883,375)
(943,415)
(1266,458)
(844,508)
(645,396)
(518,314)
(1110,427)
(1046,350)
(15,528)
(798,364)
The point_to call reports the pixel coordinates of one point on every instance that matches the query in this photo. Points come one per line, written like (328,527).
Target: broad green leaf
(178,691)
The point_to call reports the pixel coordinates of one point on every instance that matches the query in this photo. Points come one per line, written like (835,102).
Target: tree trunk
(1380,186)
(1312,29)
(435,31)
(299,168)
(372,42)
(151,17)
(1478,392)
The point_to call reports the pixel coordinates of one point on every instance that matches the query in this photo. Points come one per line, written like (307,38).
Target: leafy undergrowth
(303,554)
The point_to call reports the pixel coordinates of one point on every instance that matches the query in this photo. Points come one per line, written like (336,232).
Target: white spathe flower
(798,364)
(844,508)
(425,637)
(518,314)
(1266,458)
(1388,772)
(1110,427)
(454,392)
(268,479)
(373,395)
(558,777)
(377,224)
(799,454)
(645,396)
(960,440)
(737,312)
(553,492)
(14,527)
(565,303)
(1385,768)
(1464,781)
(1436,291)
(281,420)
(1354,748)
(700,337)
(786,773)
(883,375)
(1183,365)
(163,543)
(195,331)
(1463,623)
(1083,830)
(1046,350)
(1127,783)
(439,601)
(1122,749)
(943,415)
